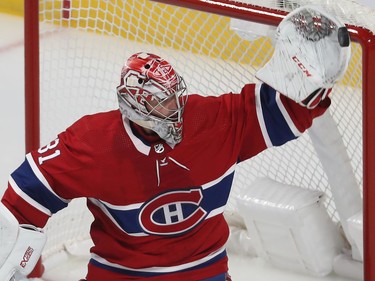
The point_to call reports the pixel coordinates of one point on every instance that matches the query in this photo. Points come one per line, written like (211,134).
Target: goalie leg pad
(21,245)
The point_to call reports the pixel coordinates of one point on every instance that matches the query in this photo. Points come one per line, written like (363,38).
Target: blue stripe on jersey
(277,127)
(220,277)
(214,197)
(127,220)
(217,195)
(29,183)
(140,273)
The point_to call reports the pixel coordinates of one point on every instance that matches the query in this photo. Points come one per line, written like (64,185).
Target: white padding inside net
(289,226)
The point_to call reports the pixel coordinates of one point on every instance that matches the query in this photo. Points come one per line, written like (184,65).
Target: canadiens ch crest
(173,212)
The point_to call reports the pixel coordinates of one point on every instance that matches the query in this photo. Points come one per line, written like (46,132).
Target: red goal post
(232,9)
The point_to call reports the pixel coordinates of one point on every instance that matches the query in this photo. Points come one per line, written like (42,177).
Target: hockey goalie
(157,171)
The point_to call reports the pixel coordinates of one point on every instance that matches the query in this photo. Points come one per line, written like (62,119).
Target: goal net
(84,43)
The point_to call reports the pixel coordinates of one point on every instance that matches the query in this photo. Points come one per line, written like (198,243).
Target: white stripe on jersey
(41,178)
(286,116)
(216,212)
(158,269)
(121,207)
(259,111)
(212,183)
(100,204)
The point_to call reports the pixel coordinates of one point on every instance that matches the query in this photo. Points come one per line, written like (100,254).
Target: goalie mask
(151,94)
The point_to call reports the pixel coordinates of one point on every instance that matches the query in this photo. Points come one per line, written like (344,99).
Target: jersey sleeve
(48,178)
(277,119)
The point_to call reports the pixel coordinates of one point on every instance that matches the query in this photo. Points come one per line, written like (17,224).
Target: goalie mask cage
(74,52)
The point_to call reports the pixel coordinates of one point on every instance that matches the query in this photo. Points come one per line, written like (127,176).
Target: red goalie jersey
(158,211)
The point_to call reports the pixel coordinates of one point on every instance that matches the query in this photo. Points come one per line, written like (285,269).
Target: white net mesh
(84,45)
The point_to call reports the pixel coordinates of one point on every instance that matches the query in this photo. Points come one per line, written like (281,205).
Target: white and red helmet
(152,95)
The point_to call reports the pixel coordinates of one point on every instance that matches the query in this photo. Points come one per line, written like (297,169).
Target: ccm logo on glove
(301,66)
(26,257)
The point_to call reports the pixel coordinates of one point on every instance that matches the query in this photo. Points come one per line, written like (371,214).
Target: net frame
(240,11)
